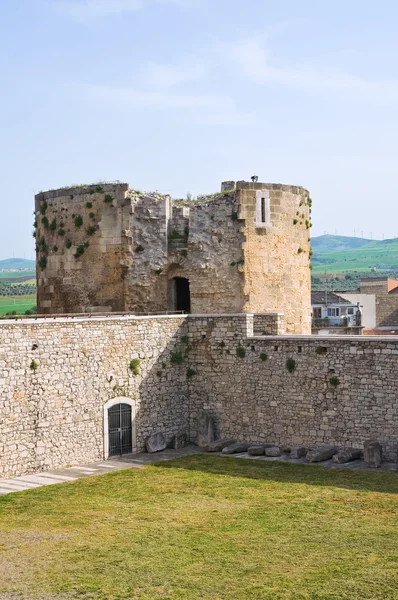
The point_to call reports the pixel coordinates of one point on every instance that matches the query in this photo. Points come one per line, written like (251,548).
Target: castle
(108,248)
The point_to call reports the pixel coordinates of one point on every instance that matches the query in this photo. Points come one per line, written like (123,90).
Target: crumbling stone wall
(130,246)
(52,416)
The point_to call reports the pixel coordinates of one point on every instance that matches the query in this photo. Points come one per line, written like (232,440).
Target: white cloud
(86,10)
(254,60)
(206,108)
(165,76)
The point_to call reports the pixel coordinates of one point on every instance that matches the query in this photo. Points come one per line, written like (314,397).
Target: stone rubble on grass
(256,450)
(321,454)
(298,452)
(180,440)
(156,442)
(346,455)
(206,429)
(372,453)
(273,451)
(234,448)
(219,445)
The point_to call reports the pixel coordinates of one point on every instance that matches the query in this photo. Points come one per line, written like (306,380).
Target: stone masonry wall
(386,310)
(53,416)
(259,400)
(277,254)
(81,239)
(105,247)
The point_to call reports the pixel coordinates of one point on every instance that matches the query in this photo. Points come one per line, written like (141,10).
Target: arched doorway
(179,294)
(119,427)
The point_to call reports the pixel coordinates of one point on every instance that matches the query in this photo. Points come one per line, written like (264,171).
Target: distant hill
(17,263)
(339,254)
(330,243)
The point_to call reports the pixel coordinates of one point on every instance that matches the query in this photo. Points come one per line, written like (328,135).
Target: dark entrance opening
(182,294)
(120,433)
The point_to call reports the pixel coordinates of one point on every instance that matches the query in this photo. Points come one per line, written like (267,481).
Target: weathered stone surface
(137,236)
(372,453)
(156,442)
(48,423)
(298,452)
(180,440)
(321,454)
(274,451)
(347,455)
(218,445)
(235,448)
(255,450)
(206,429)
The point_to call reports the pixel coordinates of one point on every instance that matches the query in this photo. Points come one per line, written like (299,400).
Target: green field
(204,528)
(17,303)
(378,257)
(5,275)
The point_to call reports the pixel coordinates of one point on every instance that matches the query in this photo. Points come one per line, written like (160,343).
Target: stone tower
(106,248)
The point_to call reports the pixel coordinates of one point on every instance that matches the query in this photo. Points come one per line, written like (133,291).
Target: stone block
(346,455)
(235,448)
(298,452)
(256,450)
(219,445)
(273,451)
(372,453)
(156,442)
(205,429)
(321,454)
(180,440)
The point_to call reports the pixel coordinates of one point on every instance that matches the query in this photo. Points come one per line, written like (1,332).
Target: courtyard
(204,527)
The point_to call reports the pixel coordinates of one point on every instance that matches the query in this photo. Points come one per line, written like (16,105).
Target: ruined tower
(110,248)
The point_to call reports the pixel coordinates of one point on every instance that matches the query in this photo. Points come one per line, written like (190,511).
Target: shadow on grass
(383,482)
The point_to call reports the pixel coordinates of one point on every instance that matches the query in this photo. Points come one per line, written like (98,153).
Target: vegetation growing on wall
(177,357)
(290,365)
(135,366)
(43,262)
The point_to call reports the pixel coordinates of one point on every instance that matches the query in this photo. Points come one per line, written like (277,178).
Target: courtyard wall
(52,416)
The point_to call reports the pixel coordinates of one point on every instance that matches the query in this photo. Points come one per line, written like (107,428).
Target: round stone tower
(276,222)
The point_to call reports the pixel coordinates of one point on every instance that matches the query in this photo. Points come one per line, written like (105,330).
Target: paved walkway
(137,461)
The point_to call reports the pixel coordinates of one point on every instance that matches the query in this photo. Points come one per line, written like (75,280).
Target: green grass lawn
(205,527)
(17,303)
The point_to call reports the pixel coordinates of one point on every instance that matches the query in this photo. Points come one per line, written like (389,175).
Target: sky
(179,95)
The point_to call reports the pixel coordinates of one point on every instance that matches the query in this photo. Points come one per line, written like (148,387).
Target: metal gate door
(120,434)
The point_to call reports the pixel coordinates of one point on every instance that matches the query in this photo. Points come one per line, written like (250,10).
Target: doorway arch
(119,427)
(179,294)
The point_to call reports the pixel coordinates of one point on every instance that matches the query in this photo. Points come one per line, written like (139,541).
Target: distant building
(330,310)
(379,298)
